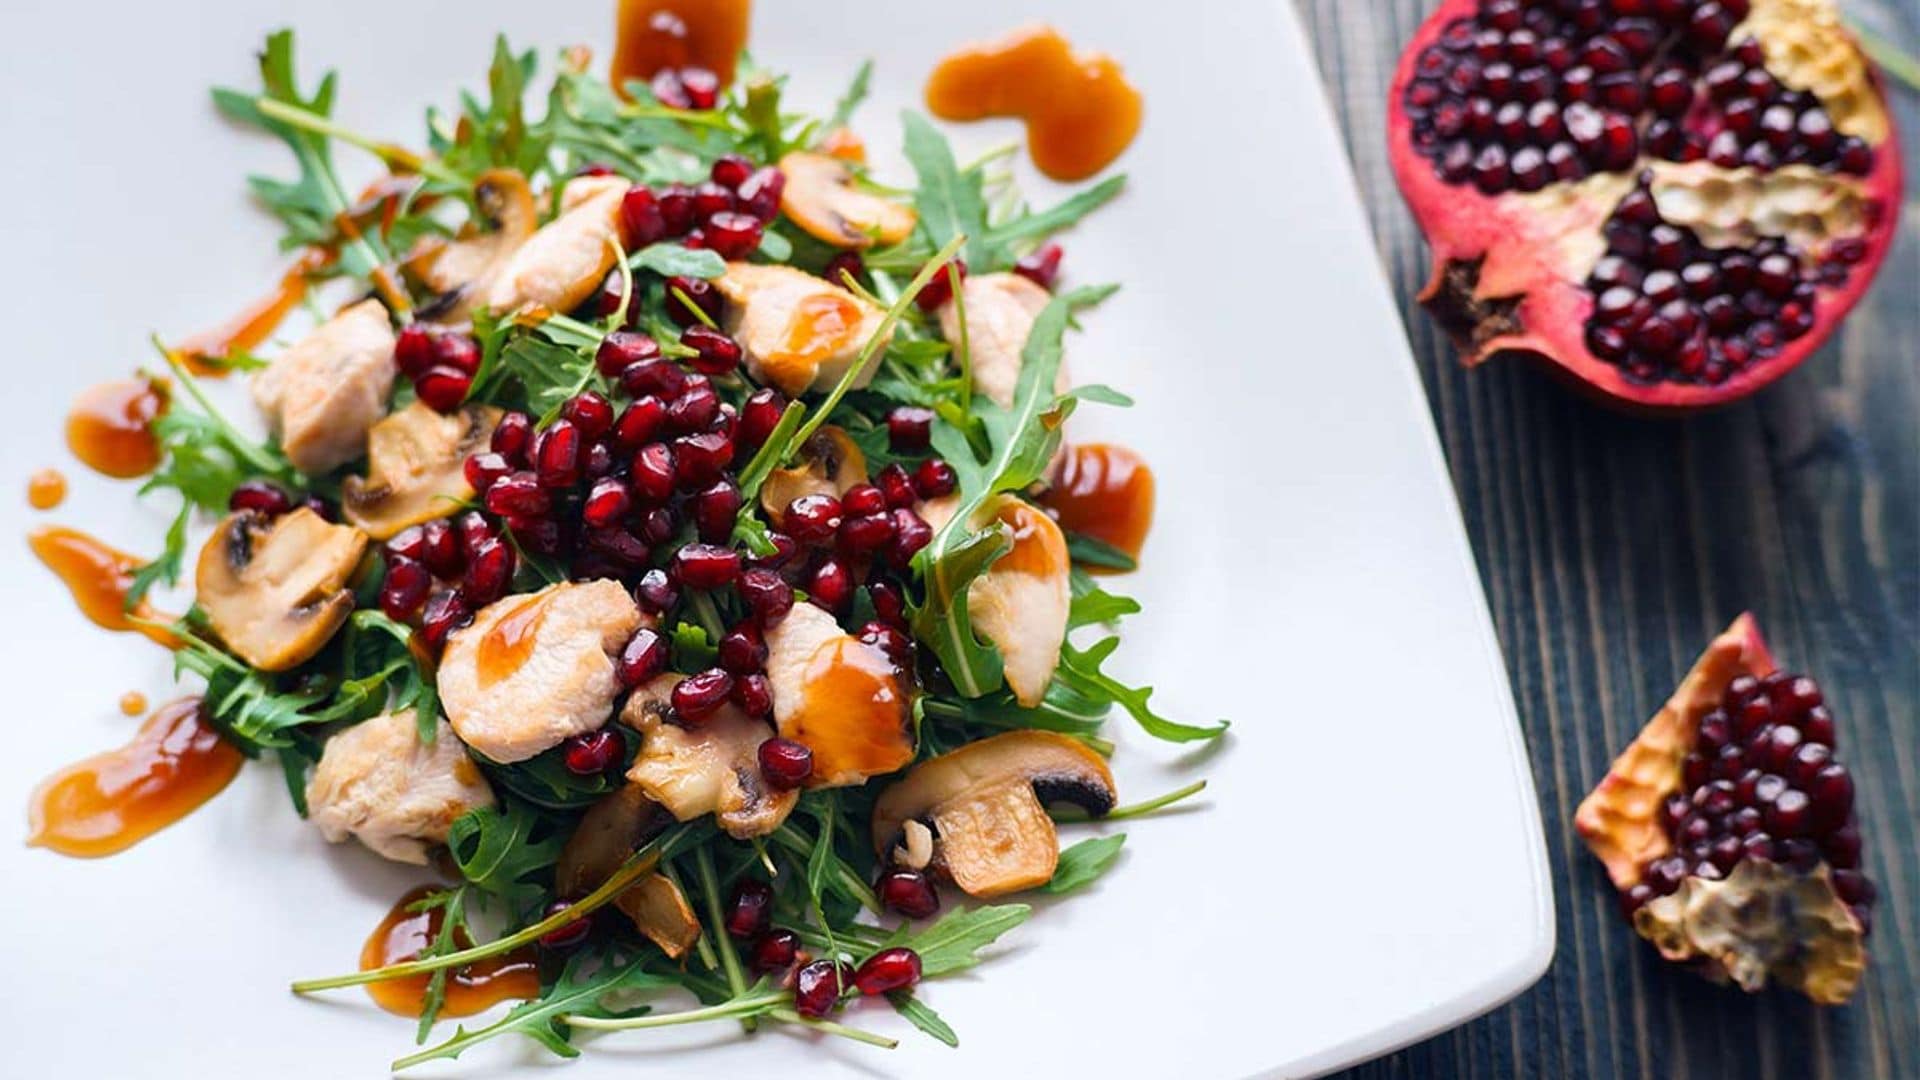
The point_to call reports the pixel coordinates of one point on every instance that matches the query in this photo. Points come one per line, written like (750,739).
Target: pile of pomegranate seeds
(1763,782)
(727,213)
(444,571)
(440,363)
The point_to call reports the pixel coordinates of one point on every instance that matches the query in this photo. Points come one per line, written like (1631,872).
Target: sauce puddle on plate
(404,934)
(99,577)
(1079,108)
(46,489)
(114,800)
(204,353)
(655,35)
(1104,492)
(110,427)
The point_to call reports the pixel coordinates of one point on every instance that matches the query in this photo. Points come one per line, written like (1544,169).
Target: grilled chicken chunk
(377,783)
(1001,309)
(798,331)
(567,258)
(324,394)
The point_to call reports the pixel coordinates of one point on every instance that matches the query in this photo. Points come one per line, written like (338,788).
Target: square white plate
(1368,865)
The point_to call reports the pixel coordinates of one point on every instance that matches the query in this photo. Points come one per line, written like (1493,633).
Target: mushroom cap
(709,768)
(535,668)
(608,834)
(561,264)
(323,394)
(275,588)
(840,697)
(821,198)
(379,784)
(986,803)
(416,467)
(831,462)
(798,331)
(462,270)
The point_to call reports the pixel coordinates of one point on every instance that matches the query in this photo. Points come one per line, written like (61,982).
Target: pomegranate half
(1671,202)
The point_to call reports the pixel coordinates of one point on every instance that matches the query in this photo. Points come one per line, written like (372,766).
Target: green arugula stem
(717,924)
(788,1016)
(883,332)
(392,155)
(1139,809)
(966,345)
(245,447)
(740,1006)
(639,864)
(765,459)
(788,837)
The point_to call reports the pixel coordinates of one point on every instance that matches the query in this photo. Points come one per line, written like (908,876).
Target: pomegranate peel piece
(1764,921)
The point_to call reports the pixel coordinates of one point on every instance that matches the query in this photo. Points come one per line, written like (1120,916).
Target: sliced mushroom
(462,270)
(987,805)
(416,467)
(711,768)
(1001,309)
(535,668)
(798,331)
(840,696)
(1021,603)
(566,259)
(323,394)
(378,783)
(275,589)
(830,464)
(608,834)
(820,197)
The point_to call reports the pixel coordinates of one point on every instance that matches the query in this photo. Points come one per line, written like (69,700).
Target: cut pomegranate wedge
(1669,202)
(1728,828)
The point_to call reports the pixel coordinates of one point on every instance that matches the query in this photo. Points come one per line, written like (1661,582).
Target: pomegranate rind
(1762,922)
(1498,290)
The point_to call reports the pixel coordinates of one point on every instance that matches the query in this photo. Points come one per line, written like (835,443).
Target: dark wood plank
(1612,549)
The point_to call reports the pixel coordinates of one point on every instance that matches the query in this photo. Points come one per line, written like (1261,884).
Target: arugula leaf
(1092,604)
(499,848)
(952,943)
(584,989)
(676,260)
(548,374)
(850,100)
(1000,241)
(452,907)
(1085,861)
(497,134)
(1080,670)
(950,202)
(166,566)
(1090,551)
(921,1016)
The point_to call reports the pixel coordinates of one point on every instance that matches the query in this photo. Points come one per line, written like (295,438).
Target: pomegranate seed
(475,532)
(607,502)
(440,548)
(784,549)
(568,935)
(868,533)
(651,474)
(891,640)
(483,469)
(659,525)
(816,989)
(624,350)
(754,694)
(742,650)
(640,215)
(557,458)
(700,292)
(887,970)
(1040,266)
(710,199)
(935,478)
(909,429)
(766,594)
(759,415)
(489,573)
(260,497)
(405,588)
(909,892)
(863,499)
(639,422)
(831,586)
(774,951)
(714,511)
(408,543)
(413,350)
(697,696)
(730,170)
(518,495)
(733,235)
(589,412)
(512,436)
(644,658)
(939,288)
(593,752)
(702,87)
(847,264)
(539,535)
(700,459)
(813,519)
(696,407)
(750,912)
(445,613)
(897,486)
(889,604)
(443,388)
(760,193)
(676,208)
(718,353)
(456,351)
(706,566)
(669,90)
(785,763)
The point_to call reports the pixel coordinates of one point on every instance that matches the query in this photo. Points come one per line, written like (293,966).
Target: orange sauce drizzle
(46,489)
(509,641)
(204,353)
(133,703)
(1079,109)
(404,934)
(110,427)
(1106,492)
(820,326)
(854,715)
(99,578)
(846,144)
(112,801)
(657,34)
(1037,550)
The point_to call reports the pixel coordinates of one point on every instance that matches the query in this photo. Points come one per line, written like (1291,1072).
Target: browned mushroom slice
(710,769)
(830,464)
(461,271)
(274,589)
(608,834)
(416,467)
(797,331)
(566,259)
(987,803)
(820,198)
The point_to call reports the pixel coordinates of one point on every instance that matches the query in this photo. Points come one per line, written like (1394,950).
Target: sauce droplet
(204,353)
(112,801)
(821,324)
(405,933)
(110,427)
(509,641)
(1037,546)
(1105,492)
(133,703)
(657,34)
(46,489)
(1079,108)
(99,578)
(854,715)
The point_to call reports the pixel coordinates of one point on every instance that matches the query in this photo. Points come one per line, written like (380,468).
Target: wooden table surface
(1612,549)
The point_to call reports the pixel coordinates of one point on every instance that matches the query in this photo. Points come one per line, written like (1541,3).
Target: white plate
(1368,867)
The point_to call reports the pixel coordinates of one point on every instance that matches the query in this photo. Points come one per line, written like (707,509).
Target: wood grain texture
(1612,549)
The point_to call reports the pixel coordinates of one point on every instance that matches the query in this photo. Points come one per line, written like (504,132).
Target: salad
(667,532)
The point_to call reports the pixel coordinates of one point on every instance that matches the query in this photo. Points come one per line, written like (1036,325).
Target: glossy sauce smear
(112,801)
(46,489)
(1105,492)
(405,933)
(99,577)
(110,427)
(510,640)
(658,34)
(1079,108)
(251,327)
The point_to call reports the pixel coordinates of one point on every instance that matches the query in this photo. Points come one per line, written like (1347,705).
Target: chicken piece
(1001,309)
(709,768)
(533,669)
(798,331)
(378,783)
(561,264)
(322,395)
(839,696)
(1021,603)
